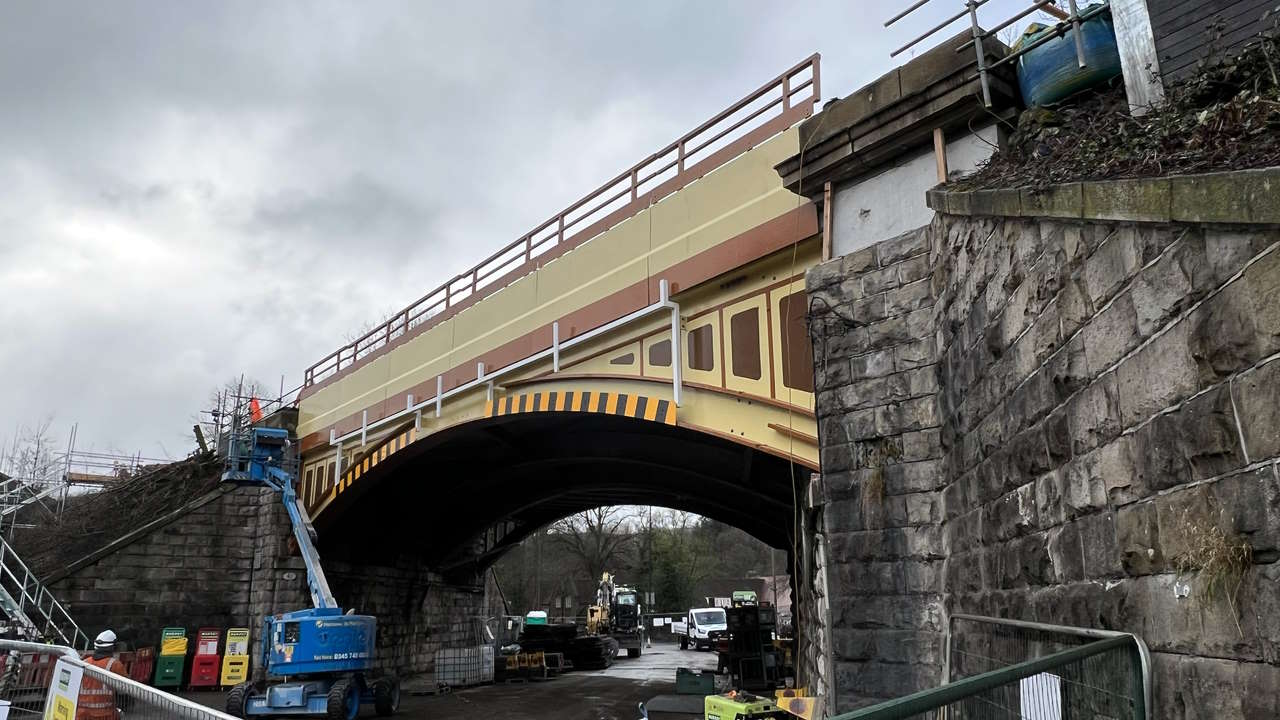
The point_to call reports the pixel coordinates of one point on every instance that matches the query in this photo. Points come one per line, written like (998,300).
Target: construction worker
(97,701)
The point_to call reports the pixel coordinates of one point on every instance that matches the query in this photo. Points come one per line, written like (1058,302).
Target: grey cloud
(195,190)
(350,211)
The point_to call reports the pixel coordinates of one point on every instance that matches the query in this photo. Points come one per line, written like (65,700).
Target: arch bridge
(645,345)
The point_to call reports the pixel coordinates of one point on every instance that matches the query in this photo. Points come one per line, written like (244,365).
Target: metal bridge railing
(34,676)
(770,109)
(1069,22)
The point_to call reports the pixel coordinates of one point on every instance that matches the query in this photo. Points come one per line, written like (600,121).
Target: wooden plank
(940,153)
(1247,13)
(90,478)
(1187,54)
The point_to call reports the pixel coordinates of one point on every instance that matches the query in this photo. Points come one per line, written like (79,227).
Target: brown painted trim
(793,433)
(659,333)
(744,248)
(757,446)
(746,296)
(796,225)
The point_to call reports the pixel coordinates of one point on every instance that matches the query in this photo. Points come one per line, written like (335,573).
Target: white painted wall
(891,203)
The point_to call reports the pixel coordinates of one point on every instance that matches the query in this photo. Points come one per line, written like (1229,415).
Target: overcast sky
(190,191)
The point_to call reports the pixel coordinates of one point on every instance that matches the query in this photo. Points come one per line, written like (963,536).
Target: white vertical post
(479,371)
(489,391)
(417,420)
(555,346)
(439,392)
(408,402)
(337,464)
(364,427)
(676,363)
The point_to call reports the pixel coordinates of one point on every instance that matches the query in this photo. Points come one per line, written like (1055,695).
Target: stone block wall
(228,560)
(873,318)
(193,572)
(417,612)
(1110,404)
(1100,403)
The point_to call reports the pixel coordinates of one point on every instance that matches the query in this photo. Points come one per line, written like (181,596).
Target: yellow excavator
(617,614)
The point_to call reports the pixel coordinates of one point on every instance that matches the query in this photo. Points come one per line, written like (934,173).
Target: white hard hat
(105,639)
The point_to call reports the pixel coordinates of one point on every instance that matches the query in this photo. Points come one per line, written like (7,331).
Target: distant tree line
(668,553)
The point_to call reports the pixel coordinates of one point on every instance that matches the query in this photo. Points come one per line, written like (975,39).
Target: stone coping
(140,532)
(1237,196)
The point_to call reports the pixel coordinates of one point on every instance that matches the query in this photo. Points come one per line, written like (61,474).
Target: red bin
(206,663)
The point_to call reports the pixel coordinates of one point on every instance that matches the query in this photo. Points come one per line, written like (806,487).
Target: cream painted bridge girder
(677,317)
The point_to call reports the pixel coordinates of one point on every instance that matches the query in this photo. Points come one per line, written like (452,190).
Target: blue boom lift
(318,660)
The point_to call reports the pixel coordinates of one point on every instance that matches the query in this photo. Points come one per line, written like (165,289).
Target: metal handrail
(1070,22)
(593,210)
(1144,654)
(26,585)
(944,695)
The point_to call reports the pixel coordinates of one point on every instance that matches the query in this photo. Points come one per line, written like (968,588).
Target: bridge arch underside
(461,498)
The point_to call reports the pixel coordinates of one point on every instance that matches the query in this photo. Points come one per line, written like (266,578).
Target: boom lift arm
(320,658)
(267,464)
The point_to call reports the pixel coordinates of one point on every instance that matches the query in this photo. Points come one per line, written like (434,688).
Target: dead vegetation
(92,520)
(1218,559)
(1225,117)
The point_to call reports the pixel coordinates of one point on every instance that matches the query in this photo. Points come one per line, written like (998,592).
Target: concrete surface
(611,694)
(888,204)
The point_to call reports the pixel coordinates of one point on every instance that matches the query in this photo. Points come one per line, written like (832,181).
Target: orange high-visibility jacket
(96,701)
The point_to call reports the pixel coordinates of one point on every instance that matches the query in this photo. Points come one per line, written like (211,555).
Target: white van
(700,628)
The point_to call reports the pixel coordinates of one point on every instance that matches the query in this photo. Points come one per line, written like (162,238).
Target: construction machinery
(750,655)
(318,660)
(739,705)
(617,613)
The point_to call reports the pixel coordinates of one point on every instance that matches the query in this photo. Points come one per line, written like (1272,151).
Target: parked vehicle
(617,614)
(701,628)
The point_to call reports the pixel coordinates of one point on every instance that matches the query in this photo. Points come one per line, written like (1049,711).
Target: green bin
(172,658)
(689,682)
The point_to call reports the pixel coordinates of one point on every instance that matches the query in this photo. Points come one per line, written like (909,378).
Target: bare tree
(595,539)
(31,456)
(228,403)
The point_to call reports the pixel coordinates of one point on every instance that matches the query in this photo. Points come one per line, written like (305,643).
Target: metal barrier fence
(1009,669)
(467,655)
(30,671)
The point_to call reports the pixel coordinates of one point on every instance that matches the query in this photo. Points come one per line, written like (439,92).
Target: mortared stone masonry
(1030,408)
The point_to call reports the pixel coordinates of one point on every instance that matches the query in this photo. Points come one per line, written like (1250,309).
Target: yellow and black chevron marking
(389,447)
(635,406)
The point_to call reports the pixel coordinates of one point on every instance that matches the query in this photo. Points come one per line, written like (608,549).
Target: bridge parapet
(770,109)
(535,301)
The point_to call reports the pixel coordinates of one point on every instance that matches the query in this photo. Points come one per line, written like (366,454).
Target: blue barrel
(1051,72)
